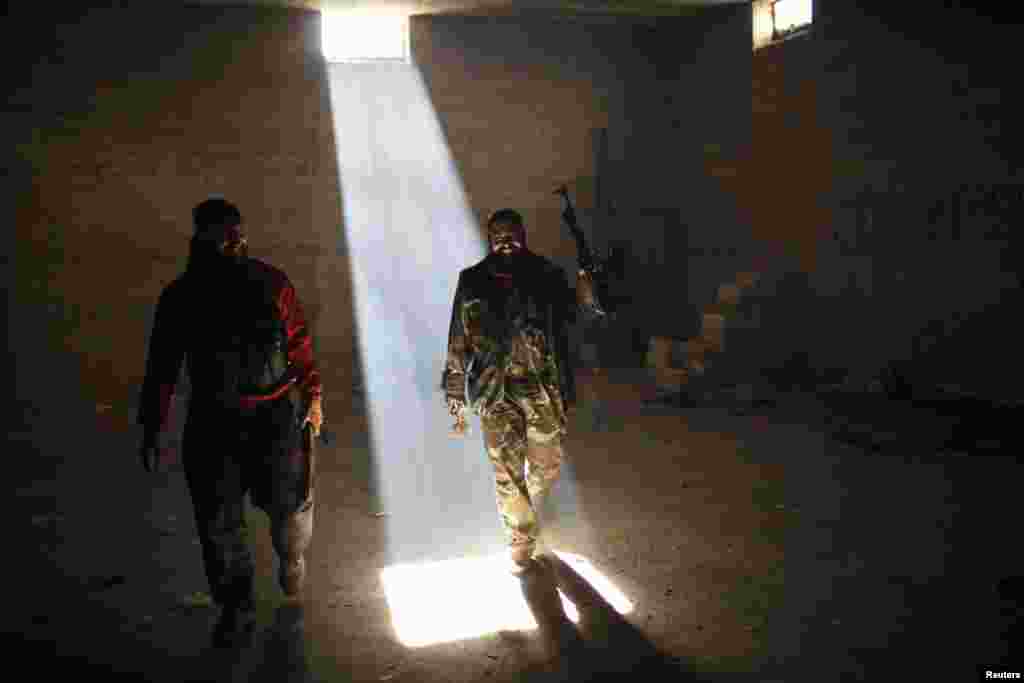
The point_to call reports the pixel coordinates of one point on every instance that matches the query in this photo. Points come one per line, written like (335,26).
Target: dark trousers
(229,454)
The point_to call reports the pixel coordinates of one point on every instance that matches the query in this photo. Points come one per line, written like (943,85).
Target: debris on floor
(198,600)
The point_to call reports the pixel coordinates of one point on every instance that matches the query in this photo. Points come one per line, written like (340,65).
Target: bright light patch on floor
(362,37)
(467,598)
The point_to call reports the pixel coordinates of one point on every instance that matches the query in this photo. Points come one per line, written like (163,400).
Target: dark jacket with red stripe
(195,319)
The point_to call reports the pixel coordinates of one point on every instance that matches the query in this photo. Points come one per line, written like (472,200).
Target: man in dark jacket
(508,360)
(238,325)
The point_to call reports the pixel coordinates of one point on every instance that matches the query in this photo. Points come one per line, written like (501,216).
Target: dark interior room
(718,298)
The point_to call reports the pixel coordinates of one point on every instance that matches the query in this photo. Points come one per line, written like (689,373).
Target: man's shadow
(285,647)
(605,646)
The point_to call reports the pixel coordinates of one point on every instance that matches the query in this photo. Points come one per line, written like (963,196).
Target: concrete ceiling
(639,8)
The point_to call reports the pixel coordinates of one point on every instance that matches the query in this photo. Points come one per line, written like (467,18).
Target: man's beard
(508,262)
(237,257)
(211,263)
(227,263)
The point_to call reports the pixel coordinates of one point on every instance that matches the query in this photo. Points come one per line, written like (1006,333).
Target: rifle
(309,448)
(594,270)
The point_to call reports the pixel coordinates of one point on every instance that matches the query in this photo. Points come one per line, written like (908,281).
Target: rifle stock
(307,441)
(309,448)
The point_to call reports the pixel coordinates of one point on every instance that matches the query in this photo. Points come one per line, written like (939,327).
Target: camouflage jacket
(510,335)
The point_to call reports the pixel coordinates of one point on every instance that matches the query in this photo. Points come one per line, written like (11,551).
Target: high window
(365,37)
(776,20)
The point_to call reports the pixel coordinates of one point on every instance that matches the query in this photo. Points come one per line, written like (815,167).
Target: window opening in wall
(776,20)
(355,37)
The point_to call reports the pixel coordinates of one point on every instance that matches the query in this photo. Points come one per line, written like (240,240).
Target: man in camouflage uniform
(508,360)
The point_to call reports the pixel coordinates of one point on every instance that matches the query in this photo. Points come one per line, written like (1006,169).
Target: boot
(235,627)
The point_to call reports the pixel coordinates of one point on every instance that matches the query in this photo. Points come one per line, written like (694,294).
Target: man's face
(228,241)
(506,239)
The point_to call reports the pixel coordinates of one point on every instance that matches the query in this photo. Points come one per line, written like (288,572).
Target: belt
(251,401)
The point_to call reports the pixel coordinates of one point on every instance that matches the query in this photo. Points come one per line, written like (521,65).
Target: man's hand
(149,453)
(315,416)
(457,409)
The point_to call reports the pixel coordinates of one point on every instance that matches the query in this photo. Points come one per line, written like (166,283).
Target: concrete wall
(518,100)
(884,164)
(872,181)
(692,105)
(123,118)
(524,102)
(854,189)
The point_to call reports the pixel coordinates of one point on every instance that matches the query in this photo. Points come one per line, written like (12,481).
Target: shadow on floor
(278,654)
(930,424)
(606,647)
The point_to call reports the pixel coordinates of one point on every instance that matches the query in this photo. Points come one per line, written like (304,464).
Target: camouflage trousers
(229,455)
(523,438)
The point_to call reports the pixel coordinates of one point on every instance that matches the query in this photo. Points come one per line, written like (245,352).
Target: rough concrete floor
(753,547)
